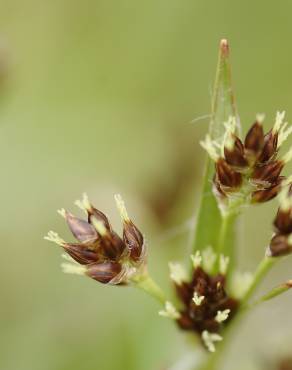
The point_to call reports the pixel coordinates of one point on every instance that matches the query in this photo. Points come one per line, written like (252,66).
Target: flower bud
(81,229)
(104,272)
(226,175)
(268,172)
(261,196)
(254,139)
(217,189)
(283,221)
(234,154)
(132,236)
(82,253)
(112,245)
(280,246)
(134,240)
(269,147)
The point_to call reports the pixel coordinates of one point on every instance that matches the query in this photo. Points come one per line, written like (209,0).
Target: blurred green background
(99,96)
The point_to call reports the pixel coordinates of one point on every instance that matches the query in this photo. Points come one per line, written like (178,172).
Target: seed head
(99,252)
(248,171)
(206,304)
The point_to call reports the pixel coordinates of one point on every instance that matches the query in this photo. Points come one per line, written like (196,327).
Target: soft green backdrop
(99,96)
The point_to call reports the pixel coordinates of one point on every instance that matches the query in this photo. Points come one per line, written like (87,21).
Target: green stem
(275,292)
(146,283)
(226,234)
(263,268)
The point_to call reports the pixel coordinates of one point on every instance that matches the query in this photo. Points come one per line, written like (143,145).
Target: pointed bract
(254,139)
(104,272)
(81,229)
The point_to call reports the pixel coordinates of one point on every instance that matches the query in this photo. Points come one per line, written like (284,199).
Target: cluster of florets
(281,243)
(100,252)
(206,303)
(249,171)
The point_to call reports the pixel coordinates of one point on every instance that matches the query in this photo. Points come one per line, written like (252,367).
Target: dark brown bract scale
(261,196)
(227,177)
(202,299)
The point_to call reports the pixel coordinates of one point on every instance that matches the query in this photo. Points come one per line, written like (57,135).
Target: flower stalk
(148,285)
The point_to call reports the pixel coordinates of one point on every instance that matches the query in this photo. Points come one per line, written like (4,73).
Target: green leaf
(209,220)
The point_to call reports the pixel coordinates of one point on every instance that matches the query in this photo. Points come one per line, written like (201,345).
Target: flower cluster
(100,253)
(249,171)
(281,243)
(207,303)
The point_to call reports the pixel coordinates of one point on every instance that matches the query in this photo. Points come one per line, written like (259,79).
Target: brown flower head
(100,252)
(249,171)
(207,303)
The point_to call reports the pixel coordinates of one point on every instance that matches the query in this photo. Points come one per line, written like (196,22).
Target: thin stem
(275,292)
(263,268)
(146,283)
(227,225)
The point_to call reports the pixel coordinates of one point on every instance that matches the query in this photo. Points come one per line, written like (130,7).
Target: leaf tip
(224,47)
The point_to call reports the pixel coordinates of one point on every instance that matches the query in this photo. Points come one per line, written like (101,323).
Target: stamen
(177,273)
(223,264)
(54,237)
(198,299)
(83,204)
(210,148)
(69,268)
(62,212)
(222,315)
(79,204)
(260,117)
(121,207)
(279,121)
(209,339)
(85,201)
(288,156)
(284,134)
(170,311)
(196,259)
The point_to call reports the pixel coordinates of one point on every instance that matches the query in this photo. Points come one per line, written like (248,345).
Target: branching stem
(146,283)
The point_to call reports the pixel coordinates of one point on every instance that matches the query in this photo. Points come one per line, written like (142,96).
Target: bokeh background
(104,96)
